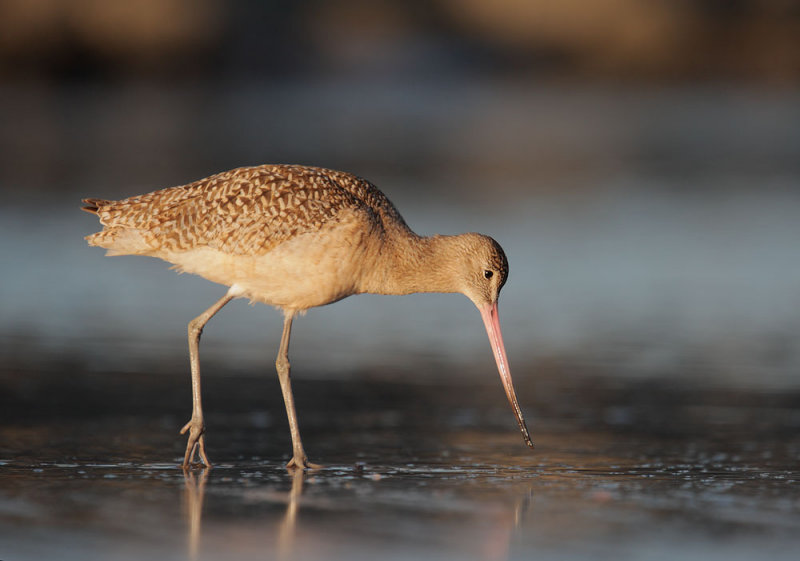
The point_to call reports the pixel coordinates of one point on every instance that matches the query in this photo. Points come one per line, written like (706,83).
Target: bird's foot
(301,462)
(195,445)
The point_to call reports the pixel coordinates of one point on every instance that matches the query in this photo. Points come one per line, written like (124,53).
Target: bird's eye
(488,274)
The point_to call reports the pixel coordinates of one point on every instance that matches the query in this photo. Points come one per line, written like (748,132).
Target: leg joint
(196,326)
(282,365)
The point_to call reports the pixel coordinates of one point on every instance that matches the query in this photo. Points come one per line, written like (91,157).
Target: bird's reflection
(523,506)
(501,519)
(286,530)
(194,497)
(507,522)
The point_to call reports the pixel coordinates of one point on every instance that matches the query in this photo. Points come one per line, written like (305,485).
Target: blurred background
(639,160)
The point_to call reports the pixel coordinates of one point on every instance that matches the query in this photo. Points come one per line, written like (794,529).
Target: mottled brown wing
(243,211)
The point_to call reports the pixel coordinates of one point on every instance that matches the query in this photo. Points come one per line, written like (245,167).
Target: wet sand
(413,470)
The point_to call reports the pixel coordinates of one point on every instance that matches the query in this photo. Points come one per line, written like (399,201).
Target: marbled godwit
(297,237)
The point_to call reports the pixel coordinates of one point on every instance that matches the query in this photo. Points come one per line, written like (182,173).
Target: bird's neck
(410,263)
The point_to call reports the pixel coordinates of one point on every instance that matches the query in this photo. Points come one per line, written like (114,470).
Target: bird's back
(248,210)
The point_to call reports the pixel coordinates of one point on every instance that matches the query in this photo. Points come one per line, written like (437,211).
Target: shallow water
(411,471)
(651,321)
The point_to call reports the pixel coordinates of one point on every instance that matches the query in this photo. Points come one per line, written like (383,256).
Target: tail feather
(117,240)
(93,205)
(120,241)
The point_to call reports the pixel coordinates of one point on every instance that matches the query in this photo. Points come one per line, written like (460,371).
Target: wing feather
(243,211)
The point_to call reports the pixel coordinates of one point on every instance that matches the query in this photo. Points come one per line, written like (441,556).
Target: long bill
(492,322)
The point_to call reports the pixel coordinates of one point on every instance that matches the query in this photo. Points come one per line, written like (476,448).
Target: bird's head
(483,272)
(484,269)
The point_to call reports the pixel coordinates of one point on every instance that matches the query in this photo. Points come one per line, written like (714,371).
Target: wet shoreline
(412,469)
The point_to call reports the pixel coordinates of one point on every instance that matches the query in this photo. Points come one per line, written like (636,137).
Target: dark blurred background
(135,89)
(205,41)
(638,159)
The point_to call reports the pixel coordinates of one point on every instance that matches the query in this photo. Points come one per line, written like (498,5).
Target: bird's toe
(195,445)
(302,463)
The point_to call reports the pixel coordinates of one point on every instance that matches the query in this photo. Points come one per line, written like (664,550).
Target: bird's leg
(299,459)
(196,443)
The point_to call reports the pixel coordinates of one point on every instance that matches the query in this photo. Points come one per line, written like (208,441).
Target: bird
(296,237)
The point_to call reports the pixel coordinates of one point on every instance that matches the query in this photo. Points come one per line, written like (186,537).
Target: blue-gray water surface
(411,471)
(651,319)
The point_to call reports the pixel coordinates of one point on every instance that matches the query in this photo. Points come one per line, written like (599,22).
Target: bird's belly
(310,270)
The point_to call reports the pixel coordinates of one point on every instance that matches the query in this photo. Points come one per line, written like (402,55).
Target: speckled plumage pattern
(247,210)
